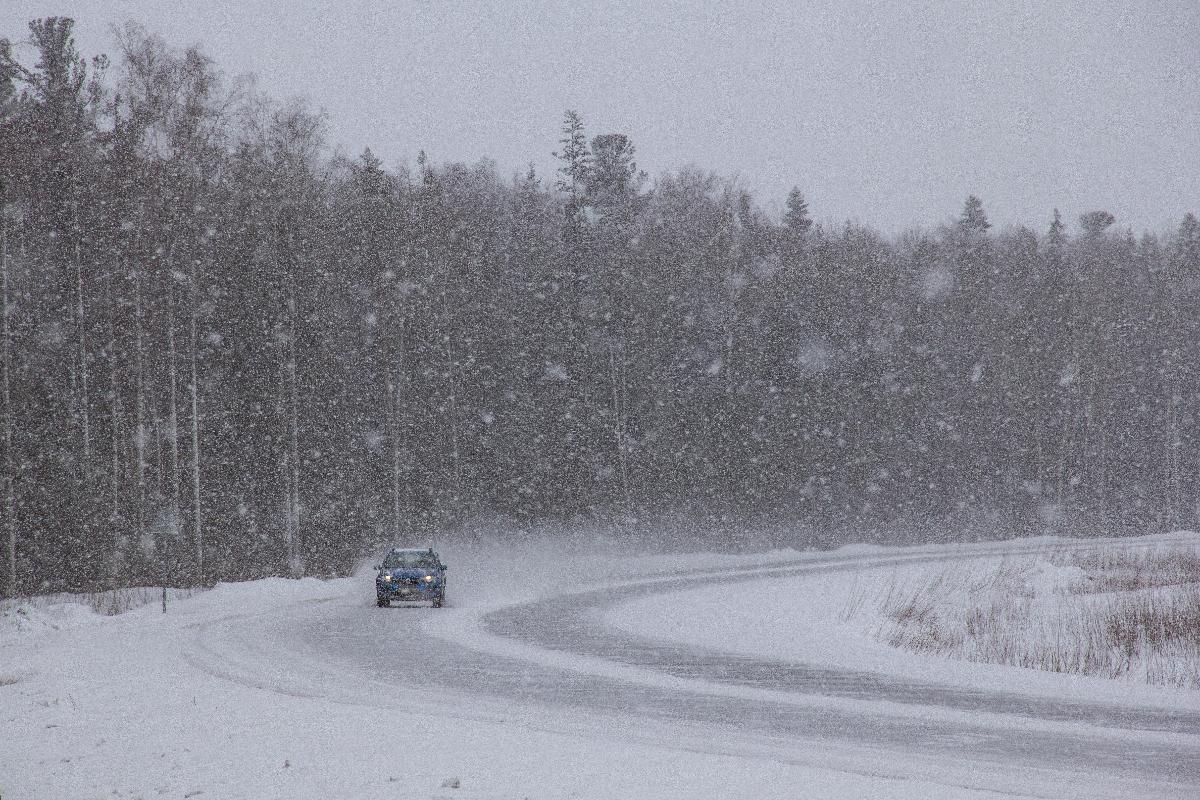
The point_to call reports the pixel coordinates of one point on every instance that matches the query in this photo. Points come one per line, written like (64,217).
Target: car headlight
(429,579)
(387,578)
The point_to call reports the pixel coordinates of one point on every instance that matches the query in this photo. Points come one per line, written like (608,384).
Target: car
(411,575)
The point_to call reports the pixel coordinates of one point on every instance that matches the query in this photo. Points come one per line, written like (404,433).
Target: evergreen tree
(973,221)
(1188,244)
(1094,223)
(796,219)
(613,174)
(576,168)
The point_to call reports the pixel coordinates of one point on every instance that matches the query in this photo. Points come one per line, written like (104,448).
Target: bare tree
(397,386)
(452,388)
(10,520)
(618,382)
(114,514)
(295,561)
(81,363)
(194,389)
(172,398)
(140,431)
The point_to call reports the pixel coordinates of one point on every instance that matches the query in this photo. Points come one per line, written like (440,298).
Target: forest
(230,350)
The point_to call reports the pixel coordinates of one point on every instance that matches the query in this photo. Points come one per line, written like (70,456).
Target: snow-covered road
(522,690)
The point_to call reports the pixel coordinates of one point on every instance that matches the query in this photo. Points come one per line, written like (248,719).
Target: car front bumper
(407,591)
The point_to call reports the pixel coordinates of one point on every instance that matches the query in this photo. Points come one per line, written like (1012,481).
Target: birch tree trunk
(1087,441)
(197,530)
(173,399)
(619,395)
(1064,446)
(287,409)
(114,515)
(159,471)
(1173,445)
(10,522)
(285,483)
(294,419)
(397,418)
(81,345)
(452,409)
(140,382)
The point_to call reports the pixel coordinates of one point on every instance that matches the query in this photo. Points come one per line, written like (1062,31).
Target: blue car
(411,575)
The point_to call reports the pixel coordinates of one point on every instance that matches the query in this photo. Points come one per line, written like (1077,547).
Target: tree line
(228,351)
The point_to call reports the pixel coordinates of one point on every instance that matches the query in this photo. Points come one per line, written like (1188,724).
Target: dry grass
(1111,570)
(107,603)
(118,601)
(1107,612)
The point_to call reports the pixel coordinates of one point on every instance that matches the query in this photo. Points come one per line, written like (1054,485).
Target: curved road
(553,655)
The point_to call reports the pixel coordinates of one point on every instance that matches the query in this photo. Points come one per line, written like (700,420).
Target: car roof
(421,550)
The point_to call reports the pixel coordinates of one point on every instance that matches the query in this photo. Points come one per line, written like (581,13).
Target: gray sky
(885,114)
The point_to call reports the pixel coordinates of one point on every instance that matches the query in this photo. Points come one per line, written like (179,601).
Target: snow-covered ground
(838,619)
(298,689)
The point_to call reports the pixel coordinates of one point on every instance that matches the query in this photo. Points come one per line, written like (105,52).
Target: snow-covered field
(863,620)
(298,689)
(1129,614)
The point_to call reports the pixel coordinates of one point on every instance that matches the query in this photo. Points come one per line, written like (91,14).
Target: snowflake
(1067,376)
(814,357)
(937,283)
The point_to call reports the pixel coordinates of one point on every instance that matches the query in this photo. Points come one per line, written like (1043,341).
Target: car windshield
(400,559)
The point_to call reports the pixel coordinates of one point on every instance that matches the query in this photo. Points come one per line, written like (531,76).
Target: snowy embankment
(1105,620)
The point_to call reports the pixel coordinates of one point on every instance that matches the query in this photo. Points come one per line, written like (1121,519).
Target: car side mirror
(444,568)
(377,567)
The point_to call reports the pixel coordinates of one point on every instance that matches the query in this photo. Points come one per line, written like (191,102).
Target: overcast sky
(885,112)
